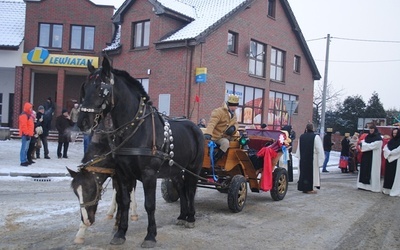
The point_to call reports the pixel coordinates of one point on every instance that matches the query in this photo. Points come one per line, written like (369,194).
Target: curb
(35,175)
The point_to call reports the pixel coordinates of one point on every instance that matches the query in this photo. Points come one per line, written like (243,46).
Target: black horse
(146,145)
(87,182)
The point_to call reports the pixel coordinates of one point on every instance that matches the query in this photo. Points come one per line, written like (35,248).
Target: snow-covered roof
(180,7)
(12,22)
(205,13)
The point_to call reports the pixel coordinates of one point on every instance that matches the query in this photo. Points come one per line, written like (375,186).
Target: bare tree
(332,97)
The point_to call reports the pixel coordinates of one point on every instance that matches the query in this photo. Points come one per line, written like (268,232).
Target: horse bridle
(99,186)
(105,90)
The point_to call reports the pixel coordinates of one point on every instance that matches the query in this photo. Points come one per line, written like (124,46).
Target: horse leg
(113,206)
(183,203)
(149,188)
(133,206)
(190,189)
(187,191)
(80,235)
(123,201)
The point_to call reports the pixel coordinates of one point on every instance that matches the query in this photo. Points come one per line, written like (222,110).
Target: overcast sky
(355,67)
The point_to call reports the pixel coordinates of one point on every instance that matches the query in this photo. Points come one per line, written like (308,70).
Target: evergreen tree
(352,108)
(375,108)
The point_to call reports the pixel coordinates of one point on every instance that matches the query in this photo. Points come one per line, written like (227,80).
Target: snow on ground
(10,168)
(10,163)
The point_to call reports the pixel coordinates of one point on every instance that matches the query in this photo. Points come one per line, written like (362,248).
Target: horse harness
(135,123)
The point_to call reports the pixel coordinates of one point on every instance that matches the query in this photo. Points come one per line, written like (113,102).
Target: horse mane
(134,82)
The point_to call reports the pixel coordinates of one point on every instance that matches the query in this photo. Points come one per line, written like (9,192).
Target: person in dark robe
(369,177)
(391,152)
(310,152)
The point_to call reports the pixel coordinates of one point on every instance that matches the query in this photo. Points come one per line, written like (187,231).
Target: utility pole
(322,131)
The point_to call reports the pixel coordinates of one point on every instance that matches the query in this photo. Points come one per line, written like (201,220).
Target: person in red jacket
(26,130)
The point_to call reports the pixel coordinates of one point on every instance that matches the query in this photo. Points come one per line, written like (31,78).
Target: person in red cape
(271,155)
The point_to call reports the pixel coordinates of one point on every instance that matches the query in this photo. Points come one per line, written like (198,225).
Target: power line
(365,40)
(380,61)
(316,39)
(355,39)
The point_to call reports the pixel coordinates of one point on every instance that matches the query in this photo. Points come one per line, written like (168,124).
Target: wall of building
(168,68)
(9,60)
(61,83)
(173,70)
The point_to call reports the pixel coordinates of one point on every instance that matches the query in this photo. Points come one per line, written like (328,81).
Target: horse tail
(199,138)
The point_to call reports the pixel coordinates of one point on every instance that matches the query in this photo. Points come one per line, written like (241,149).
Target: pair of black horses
(136,143)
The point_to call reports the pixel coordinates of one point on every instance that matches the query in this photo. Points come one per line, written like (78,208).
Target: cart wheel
(237,193)
(168,191)
(280,184)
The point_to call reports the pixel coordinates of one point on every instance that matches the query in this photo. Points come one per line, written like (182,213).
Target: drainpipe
(189,78)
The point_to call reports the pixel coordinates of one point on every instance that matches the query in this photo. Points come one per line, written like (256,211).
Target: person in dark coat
(44,121)
(63,125)
(327,148)
(345,152)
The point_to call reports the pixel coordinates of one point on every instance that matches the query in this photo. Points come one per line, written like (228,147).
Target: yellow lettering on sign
(36,55)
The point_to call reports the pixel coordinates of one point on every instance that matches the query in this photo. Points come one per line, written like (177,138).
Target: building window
(145,83)
(232,42)
(141,34)
(278,115)
(82,37)
(296,64)
(271,8)
(164,104)
(257,59)
(250,109)
(50,35)
(277,65)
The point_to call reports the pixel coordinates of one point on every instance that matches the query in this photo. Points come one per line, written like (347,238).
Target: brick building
(12,28)
(60,37)
(252,48)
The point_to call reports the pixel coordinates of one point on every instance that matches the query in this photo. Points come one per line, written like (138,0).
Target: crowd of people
(34,130)
(370,154)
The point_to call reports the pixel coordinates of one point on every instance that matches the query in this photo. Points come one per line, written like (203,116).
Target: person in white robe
(391,152)
(369,176)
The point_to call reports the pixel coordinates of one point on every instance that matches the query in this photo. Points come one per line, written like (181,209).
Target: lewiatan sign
(41,56)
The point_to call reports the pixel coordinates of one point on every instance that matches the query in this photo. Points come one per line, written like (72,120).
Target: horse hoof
(189,225)
(79,240)
(134,217)
(117,241)
(109,216)
(180,222)
(148,244)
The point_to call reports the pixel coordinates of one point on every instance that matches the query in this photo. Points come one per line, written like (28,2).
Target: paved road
(45,215)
